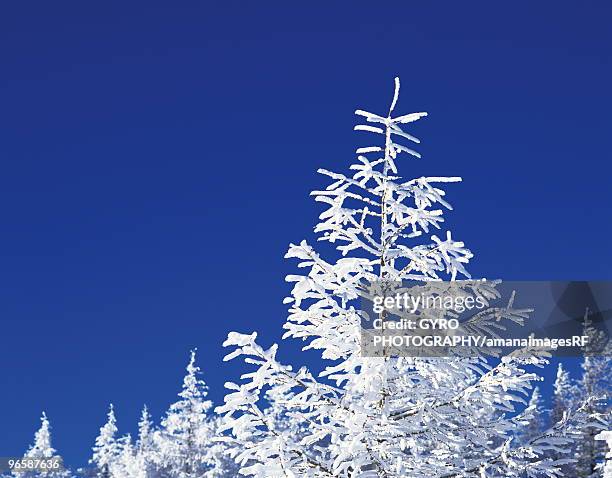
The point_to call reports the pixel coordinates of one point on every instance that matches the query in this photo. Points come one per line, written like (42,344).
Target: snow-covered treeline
(183,445)
(189,442)
(372,417)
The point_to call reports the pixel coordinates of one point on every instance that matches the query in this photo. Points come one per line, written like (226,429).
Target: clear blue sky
(156,159)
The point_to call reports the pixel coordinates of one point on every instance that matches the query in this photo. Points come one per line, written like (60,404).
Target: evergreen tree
(564,399)
(564,395)
(185,438)
(143,463)
(145,431)
(106,448)
(43,449)
(534,423)
(595,382)
(385,416)
(128,463)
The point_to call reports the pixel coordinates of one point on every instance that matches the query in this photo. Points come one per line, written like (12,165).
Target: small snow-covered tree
(143,454)
(534,418)
(106,449)
(43,449)
(126,463)
(145,430)
(185,439)
(563,401)
(134,460)
(595,382)
(392,417)
(564,394)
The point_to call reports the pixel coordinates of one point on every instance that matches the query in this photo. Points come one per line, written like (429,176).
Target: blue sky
(156,160)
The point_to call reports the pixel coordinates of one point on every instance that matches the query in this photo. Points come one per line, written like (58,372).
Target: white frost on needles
(385,417)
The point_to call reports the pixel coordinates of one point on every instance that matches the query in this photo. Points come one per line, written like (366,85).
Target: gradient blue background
(156,157)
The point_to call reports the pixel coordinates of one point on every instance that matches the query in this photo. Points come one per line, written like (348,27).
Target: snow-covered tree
(145,430)
(126,463)
(595,382)
(564,394)
(107,449)
(185,439)
(366,417)
(43,449)
(534,418)
(564,399)
(139,460)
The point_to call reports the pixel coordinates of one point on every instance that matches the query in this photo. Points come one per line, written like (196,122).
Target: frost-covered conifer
(186,436)
(534,418)
(126,463)
(389,417)
(43,449)
(564,394)
(137,461)
(565,398)
(595,382)
(145,430)
(106,449)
